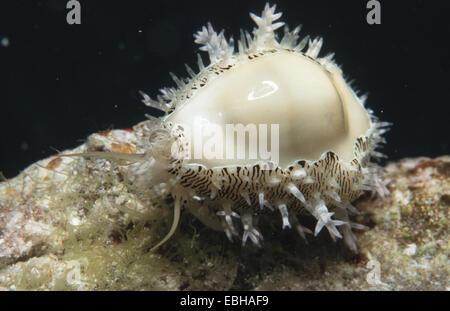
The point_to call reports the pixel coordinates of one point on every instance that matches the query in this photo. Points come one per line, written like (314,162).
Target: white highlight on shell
(265,89)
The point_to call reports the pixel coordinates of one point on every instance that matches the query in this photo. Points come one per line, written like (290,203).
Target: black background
(61,82)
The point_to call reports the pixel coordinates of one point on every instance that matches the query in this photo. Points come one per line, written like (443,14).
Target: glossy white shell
(315,109)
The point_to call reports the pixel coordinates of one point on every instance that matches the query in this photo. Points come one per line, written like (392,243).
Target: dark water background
(61,82)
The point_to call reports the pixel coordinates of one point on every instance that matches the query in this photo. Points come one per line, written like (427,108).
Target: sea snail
(201,152)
